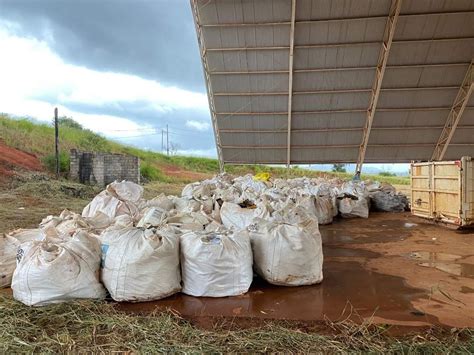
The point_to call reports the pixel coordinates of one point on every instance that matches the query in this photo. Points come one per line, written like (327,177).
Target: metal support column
(202,48)
(379,73)
(290,81)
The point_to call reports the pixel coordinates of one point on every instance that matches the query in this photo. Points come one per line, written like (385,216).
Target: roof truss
(319,105)
(290,81)
(455,114)
(380,71)
(210,96)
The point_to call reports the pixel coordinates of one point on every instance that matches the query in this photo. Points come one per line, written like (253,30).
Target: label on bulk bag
(104,248)
(19,255)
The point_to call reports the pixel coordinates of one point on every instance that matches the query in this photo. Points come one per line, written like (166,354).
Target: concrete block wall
(74,161)
(103,168)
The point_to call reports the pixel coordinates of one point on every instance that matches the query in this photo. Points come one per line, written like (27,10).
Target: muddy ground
(391,268)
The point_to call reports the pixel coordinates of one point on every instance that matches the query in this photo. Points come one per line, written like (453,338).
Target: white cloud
(29,70)
(198,125)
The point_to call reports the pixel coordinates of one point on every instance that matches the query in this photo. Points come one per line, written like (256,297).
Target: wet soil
(348,292)
(391,268)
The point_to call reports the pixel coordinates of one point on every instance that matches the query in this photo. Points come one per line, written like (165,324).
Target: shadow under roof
(377,81)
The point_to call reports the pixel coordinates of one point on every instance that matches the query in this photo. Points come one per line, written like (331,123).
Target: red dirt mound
(11,158)
(172,170)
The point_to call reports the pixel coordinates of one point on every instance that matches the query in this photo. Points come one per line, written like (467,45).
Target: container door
(421,195)
(446,188)
(467,191)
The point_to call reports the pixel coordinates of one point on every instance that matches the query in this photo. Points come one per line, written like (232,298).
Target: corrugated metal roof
(245,47)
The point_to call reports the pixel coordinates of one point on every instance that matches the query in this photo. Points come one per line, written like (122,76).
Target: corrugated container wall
(444,191)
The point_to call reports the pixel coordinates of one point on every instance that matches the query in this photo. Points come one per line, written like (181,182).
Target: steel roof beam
(341,91)
(362,18)
(290,81)
(345,44)
(389,32)
(202,50)
(388,109)
(455,114)
(401,66)
(248,24)
(339,129)
(328,146)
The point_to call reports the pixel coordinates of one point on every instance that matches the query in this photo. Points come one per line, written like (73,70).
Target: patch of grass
(31,197)
(49,161)
(88,326)
(151,173)
(38,139)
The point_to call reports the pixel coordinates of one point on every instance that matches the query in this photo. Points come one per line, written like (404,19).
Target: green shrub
(339,168)
(49,161)
(152,173)
(387,173)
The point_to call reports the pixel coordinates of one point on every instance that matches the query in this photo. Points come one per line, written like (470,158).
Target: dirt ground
(11,159)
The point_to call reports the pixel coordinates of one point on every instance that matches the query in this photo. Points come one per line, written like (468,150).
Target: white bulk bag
(108,205)
(190,221)
(8,250)
(288,254)
(117,199)
(324,210)
(353,200)
(216,264)
(56,272)
(140,264)
(66,224)
(235,217)
(183,204)
(152,217)
(389,202)
(9,244)
(161,202)
(349,207)
(125,191)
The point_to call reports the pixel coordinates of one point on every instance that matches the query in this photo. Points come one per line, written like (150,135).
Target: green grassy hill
(38,139)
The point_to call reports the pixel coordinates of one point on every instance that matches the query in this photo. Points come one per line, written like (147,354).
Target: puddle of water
(465,289)
(443,261)
(433,256)
(331,251)
(348,290)
(459,269)
(367,231)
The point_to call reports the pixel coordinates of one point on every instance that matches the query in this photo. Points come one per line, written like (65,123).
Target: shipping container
(443,191)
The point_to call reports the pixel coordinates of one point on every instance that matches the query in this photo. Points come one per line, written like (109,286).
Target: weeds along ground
(90,326)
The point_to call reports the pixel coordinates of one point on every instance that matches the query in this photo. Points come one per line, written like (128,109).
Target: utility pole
(162,140)
(167,141)
(56,141)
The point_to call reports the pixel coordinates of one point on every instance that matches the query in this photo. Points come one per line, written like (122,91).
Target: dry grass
(27,199)
(153,189)
(88,326)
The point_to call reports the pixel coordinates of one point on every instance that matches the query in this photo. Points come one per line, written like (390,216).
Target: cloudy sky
(124,68)
(120,67)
